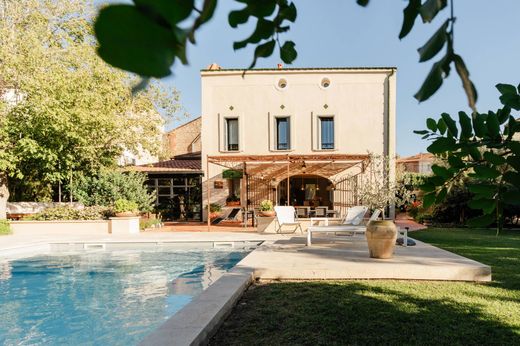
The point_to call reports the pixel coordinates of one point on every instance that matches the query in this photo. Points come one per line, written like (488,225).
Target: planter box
(124,225)
(233,204)
(60,227)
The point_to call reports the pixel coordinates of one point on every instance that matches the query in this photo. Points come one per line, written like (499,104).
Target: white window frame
(316,120)
(273,132)
(223,133)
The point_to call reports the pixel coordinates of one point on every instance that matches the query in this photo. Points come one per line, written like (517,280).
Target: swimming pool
(102,297)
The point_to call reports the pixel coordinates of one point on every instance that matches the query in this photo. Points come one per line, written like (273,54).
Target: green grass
(390,312)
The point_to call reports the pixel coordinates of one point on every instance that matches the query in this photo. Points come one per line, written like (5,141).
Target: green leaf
(515,147)
(428,200)
(433,81)
(467,84)
(173,11)
(236,18)
(434,44)
(506,89)
(465,126)
(421,132)
(450,123)
(441,171)
(132,41)
(485,204)
(479,125)
(513,178)
(441,195)
(410,13)
(288,53)
(441,145)
(264,30)
(486,172)
(288,12)
(261,9)
(503,114)
(456,161)
(514,161)
(362,2)
(208,9)
(482,221)
(487,190)
(493,158)
(441,125)
(511,197)
(427,187)
(430,9)
(474,153)
(493,126)
(263,51)
(431,124)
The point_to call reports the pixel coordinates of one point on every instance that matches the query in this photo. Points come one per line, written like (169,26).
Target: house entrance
(306,190)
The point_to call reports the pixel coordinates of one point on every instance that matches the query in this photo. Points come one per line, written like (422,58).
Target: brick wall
(184,139)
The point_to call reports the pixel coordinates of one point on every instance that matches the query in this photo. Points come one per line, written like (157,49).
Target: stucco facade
(359,102)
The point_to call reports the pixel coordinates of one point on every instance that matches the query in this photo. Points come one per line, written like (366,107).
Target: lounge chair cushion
(355,215)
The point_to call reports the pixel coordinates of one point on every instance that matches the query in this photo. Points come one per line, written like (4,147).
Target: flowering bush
(266,205)
(70,213)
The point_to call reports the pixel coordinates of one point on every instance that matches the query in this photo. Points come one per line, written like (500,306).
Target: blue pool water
(102,297)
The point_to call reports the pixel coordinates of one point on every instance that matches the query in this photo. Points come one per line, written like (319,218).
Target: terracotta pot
(381,236)
(267,213)
(233,204)
(125,214)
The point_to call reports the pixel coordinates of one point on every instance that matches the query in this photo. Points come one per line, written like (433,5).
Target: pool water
(101,297)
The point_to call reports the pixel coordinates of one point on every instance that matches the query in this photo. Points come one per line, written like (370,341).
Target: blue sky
(340,33)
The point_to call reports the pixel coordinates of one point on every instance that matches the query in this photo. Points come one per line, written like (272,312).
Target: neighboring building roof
(416,158)
(189,163)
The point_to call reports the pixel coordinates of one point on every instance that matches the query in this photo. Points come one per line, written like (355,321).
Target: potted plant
(378,192)
(125,208)
(215,210)
(266,208)
(233,201)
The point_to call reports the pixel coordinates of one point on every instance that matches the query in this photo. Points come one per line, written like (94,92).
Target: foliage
(149,223)
(377,191)
(233,198)
(62,108)
(483,147)
(215,208)
(413,180)
(123,205)
(413,209)
(390,312)
(5,228)
(147,37)
(266,205)
(454,209)
(70,213)
(110,185)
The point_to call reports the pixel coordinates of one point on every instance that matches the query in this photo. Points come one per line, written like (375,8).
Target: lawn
(390,312)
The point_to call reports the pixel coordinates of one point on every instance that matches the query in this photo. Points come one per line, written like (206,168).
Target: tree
(147,37)
(484,147)
(62,109)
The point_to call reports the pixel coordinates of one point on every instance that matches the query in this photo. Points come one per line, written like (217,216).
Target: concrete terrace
(286,256)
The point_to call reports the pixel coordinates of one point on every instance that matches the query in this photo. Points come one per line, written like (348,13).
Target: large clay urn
(381,236)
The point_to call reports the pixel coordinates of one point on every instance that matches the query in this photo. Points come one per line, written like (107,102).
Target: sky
(330,33)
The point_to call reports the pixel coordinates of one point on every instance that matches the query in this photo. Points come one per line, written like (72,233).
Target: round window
(325,83)
(282,83)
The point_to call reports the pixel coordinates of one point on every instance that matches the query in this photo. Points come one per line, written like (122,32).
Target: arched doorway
(306,190)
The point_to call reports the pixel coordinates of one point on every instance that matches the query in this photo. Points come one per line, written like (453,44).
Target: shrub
(5,228)
(215,208)
(123,205)
(233,198)
(266,205)
(109,186)
(69,213)
(148,223)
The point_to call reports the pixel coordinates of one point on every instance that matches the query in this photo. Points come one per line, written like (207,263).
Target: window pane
(327,132)
(282,134)
(232,134)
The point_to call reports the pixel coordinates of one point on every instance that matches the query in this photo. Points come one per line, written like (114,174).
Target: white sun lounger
(355,218)
(286,216)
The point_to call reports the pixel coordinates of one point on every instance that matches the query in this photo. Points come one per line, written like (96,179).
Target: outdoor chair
(286,216)
(302,212)
(351,224)
(233,214)
(320,212)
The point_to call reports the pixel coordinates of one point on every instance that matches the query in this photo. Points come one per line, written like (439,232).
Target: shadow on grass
(355,312)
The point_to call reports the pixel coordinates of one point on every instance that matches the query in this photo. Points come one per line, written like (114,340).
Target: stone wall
(184,139)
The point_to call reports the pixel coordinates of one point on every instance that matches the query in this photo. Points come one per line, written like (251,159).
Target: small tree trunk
(4,195)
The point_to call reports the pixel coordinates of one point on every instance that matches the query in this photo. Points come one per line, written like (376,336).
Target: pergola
(264,172)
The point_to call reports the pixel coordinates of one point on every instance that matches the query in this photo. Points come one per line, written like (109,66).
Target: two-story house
(297,136)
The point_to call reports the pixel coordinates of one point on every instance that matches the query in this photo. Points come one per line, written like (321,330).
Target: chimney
(213,67)
(280,66)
